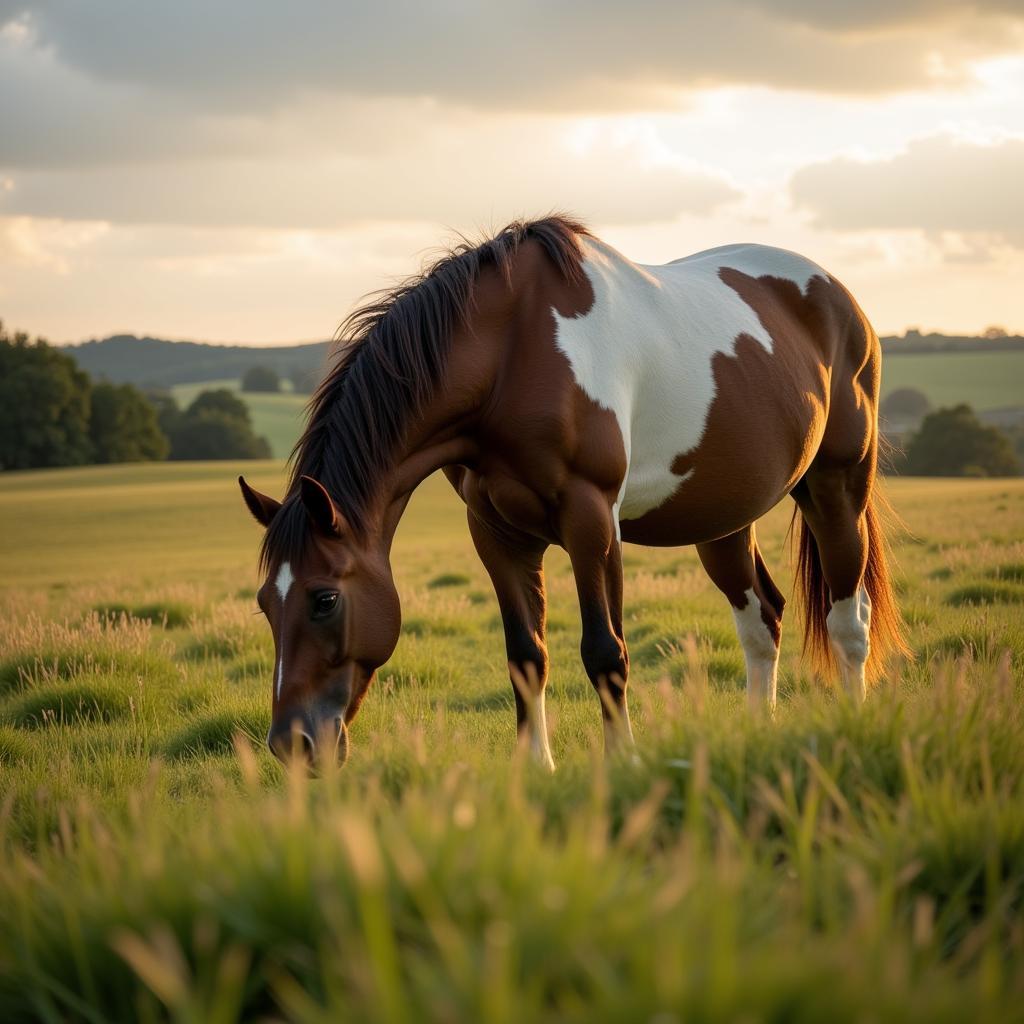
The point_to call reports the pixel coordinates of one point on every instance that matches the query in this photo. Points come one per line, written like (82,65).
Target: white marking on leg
(759,650)
(538,725)
(849,632)
(646,346)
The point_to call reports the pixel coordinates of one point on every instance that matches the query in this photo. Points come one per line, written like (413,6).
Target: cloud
(260,55)
(457,170)
(938,184)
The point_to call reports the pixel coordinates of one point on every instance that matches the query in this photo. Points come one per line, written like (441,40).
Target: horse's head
(333,610)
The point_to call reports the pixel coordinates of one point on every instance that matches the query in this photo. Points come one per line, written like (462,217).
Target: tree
(216,425)
(123,426)
(304,379)
(905,404)
(44,406)
(993,332)
(953,442)
(261,378)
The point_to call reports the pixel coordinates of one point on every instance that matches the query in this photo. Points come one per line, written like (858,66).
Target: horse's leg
(736,567)
(590,537)
(833,500)
(515,563)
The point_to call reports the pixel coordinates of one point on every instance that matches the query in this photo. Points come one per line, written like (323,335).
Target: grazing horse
(574,397)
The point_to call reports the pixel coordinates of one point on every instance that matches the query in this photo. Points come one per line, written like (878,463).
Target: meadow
(831,863)
(984,380)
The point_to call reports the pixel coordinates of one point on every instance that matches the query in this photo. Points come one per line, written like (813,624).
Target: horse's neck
(444,433)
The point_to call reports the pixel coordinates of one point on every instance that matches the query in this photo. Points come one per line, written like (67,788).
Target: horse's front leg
(590,536)
(515,563)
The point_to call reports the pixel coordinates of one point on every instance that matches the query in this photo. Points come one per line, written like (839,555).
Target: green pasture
(277,417)
(984,380)
(833,863)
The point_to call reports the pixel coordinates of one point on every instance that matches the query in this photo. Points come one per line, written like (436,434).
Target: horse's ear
(263,507)
(321,509)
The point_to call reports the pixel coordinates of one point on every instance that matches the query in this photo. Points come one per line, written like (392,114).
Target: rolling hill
(155,362)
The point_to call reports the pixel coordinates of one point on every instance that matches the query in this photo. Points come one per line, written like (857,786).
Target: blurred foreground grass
(831,864)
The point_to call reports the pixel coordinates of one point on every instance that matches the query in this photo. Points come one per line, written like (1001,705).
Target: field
(832,863)
(984,380)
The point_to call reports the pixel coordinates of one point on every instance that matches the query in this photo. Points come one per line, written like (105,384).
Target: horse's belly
(756,444)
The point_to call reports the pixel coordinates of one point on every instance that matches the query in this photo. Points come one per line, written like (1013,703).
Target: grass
(156,863)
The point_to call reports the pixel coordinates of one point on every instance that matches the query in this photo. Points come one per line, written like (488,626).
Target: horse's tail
(887,633)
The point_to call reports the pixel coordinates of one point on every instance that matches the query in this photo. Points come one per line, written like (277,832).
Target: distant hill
(153,362)
(916,343)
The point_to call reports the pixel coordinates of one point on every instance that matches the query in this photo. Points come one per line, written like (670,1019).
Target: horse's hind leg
(833,499)
(736,567)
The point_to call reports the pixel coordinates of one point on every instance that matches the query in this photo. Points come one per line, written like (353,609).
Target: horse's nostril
(291,742)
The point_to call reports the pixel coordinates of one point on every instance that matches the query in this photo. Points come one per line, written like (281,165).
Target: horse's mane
(389,357)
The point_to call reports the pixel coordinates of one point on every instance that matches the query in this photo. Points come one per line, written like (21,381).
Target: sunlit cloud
(255,188)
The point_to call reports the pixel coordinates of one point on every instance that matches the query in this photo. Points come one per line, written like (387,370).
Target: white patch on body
(849,632)
(644,350)
(759,650)
(283,584)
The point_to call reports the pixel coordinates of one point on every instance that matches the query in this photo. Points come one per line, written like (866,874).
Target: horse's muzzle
(299,737)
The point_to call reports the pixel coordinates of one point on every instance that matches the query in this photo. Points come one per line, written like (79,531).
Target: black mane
(389,357)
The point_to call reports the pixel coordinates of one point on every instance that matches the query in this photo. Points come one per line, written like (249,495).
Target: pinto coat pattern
(573,397)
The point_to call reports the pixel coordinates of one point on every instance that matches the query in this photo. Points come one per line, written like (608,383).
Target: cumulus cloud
(938,184)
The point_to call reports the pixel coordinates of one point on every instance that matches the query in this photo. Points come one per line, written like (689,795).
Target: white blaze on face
(644,350)
(283,584)
(284,580)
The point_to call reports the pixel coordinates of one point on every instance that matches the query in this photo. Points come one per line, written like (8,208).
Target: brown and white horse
(573,397)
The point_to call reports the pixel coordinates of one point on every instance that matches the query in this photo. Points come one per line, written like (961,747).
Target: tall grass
(830,863)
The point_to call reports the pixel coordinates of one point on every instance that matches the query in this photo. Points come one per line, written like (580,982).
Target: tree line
(950,441)
(53,414)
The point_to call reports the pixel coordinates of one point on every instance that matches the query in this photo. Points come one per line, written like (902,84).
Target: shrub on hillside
(261,378)
(216,425)
(905,404)
(44,406)
(953,442)
(304,380)
(123,426)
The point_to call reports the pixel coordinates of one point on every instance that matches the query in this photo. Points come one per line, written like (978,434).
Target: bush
(952,442)
(123,426)
(44,406)
(905,404)
(261,379)
(216,425)
(305,379)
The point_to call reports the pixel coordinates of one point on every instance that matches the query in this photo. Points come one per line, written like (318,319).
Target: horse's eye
(324,603)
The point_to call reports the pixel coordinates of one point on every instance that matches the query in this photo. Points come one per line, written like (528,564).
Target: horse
(575,398)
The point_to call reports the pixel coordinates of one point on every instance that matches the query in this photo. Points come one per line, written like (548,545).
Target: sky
(246,170)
